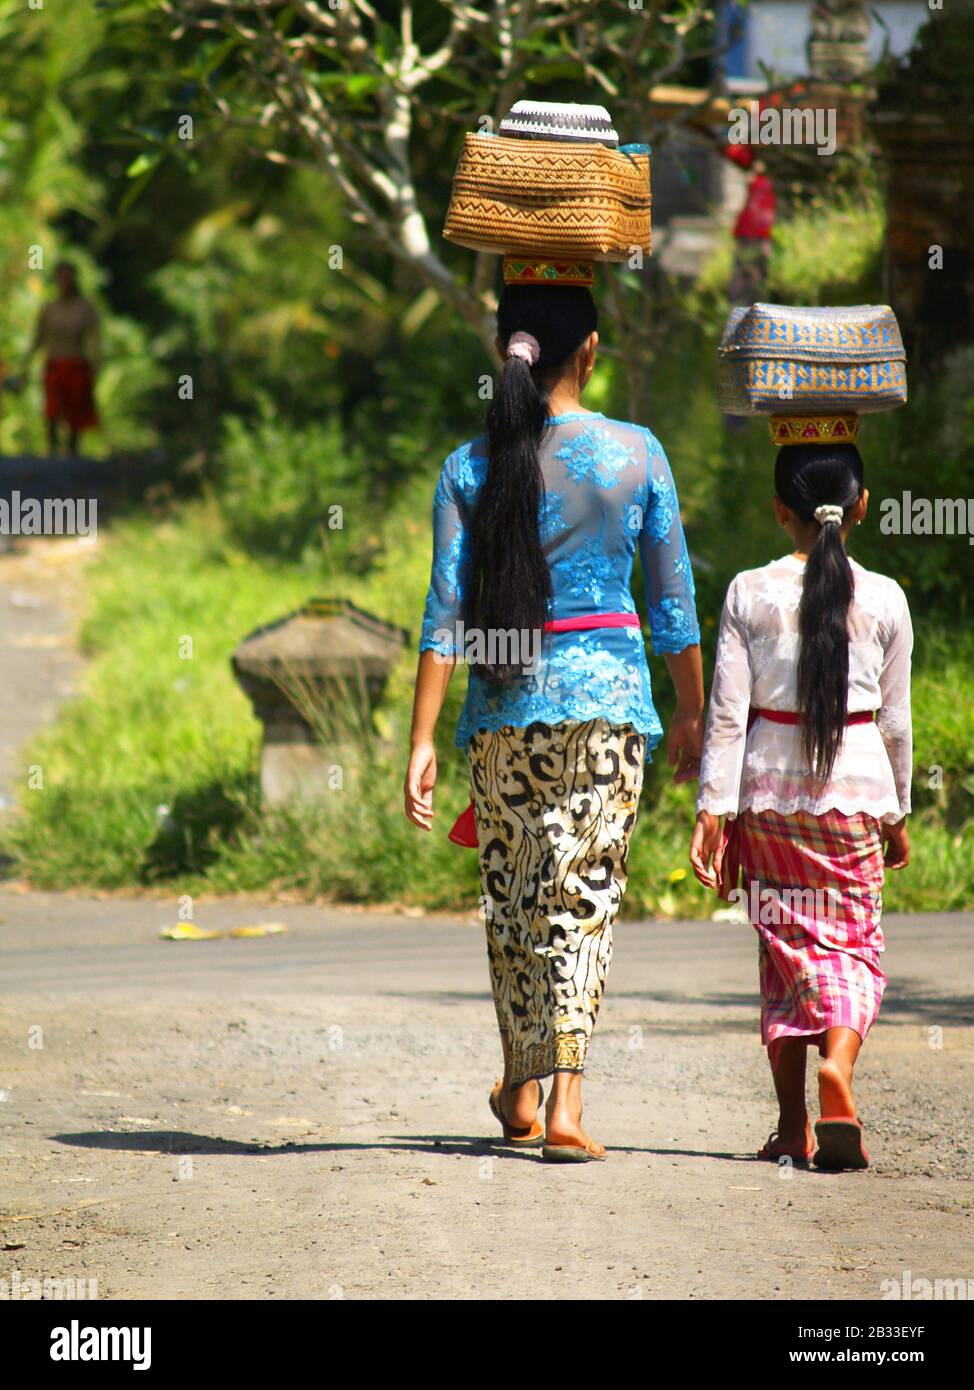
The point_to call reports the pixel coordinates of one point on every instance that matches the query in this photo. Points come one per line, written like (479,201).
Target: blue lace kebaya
(608,488)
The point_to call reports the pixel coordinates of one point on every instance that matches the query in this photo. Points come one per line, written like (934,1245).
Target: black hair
(807,476)
(509,580)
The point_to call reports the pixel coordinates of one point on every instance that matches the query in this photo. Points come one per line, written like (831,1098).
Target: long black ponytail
(808,476)
(510,583)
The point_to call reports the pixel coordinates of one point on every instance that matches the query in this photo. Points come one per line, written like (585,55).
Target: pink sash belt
(464,830)
(591,620)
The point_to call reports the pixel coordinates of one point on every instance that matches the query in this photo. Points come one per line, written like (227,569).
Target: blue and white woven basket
(789,359)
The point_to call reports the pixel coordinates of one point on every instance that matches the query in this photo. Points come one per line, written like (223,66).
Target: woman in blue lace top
(536,525)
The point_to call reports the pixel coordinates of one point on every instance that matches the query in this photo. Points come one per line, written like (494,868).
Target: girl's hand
(685,746)
(896,841)
(419,784)
(706,849)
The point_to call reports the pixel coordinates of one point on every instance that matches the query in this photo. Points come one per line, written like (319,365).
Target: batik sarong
(555,806)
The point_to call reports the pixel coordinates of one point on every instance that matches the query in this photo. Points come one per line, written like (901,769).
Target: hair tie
(827,512)
(525,346)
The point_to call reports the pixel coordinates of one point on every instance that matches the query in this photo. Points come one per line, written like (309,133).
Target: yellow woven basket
(550,197)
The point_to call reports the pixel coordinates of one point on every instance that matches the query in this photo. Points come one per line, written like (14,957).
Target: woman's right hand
(896,845)
(706,848)
(685,745)
(419,784)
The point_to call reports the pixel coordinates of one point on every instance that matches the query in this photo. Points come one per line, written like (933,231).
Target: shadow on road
(447,1145)
(903,997)
(905,1003)
(181,1142)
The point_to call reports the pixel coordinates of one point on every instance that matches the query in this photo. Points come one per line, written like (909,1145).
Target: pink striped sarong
(814,894)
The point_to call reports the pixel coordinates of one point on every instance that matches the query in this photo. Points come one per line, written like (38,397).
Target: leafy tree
(376,96)
(50,199)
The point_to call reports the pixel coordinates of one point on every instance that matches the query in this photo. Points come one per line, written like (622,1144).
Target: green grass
(150,776)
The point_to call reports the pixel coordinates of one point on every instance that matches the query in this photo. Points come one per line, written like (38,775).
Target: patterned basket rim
(871,406)
(579,207)
(766,309)
(577,150)
(542,158)
(576,253)
(494,245)
(826,355)
(821,332)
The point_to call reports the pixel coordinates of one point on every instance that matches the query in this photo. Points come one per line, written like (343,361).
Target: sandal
(517,1135)
(571,1153)
(840,1145)
(773,1153)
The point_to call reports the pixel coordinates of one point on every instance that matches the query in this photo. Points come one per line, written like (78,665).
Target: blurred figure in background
(752,240)
(753,228)
(68,334)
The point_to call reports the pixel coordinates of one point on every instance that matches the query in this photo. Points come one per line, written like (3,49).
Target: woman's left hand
(418,788)
(896,845)
(685,746)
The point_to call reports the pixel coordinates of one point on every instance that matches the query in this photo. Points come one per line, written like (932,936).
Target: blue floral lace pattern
(551,520)
(580,676)
(608,492)
(587,569)
(594,452)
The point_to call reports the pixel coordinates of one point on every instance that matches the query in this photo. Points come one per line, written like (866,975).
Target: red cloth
(69,393)
(756,218)
(739,154)
(464,832)
(757,215)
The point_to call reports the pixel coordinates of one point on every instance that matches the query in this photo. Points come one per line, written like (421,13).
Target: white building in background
(694,190)
(774,34)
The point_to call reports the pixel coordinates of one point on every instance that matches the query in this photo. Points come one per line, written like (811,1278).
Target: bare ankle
(794,1122)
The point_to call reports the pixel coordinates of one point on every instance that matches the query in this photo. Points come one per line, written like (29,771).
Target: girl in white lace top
(765,769)
(808,756)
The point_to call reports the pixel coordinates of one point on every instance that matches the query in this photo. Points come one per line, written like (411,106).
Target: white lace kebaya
(756,665)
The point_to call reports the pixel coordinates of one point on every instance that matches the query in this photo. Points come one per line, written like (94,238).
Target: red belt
(788,716)
(730,869)
(464,830)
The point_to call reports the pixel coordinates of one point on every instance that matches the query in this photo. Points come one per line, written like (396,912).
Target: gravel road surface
(304,1115)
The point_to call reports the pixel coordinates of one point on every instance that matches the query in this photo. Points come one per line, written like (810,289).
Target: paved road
(304,1115)
(38,658)
(39,598)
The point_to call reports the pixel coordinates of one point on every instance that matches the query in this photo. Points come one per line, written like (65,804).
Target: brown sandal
(772,1152)
(571,1153)
(840,1145)
(517,1135)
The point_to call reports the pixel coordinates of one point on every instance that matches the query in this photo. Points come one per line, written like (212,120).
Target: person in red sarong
(68,333)
(752,230)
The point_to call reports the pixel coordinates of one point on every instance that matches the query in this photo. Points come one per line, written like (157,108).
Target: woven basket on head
(796,359)
(550,197)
